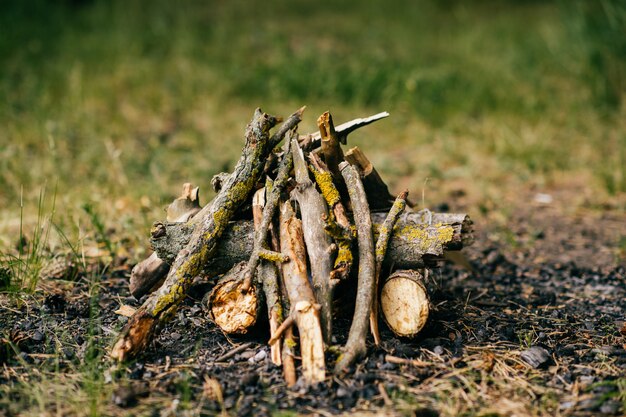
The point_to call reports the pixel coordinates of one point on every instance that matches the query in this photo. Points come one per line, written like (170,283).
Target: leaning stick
(355,346)
(313,211)
(331,148)
(313,140)
(384,233)
(343,236)
(301,297)
(210,225)
(268,276)
(378,195)
(260,236)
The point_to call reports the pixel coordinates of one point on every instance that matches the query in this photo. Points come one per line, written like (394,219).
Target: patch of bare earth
(538,330)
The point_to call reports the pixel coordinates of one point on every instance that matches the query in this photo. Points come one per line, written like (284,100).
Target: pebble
(260,356)
(536,356)
(438,350)
(37,336)
(175,336)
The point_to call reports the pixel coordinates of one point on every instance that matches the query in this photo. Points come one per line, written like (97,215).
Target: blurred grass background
(112,105)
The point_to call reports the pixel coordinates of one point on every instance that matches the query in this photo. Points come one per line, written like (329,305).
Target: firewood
(268,277)
(269,208)
(415,242)
(210,224)
(301,297)
(313,211)
(355,346)
(338,217)
(313,140)
(148,275)
(404,302)
(385,231)
(234,311)
(378,195)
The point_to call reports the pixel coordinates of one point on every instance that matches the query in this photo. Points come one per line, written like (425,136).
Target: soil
(538,330)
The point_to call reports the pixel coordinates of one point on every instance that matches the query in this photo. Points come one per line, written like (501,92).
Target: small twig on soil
(355,346)
(233,352)
(384,233)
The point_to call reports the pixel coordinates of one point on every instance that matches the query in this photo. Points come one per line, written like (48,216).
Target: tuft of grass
(22,269)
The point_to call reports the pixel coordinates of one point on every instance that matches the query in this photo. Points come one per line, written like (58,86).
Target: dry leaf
(125,310)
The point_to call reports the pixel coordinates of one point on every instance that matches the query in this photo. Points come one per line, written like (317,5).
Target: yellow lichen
(272,256)
(344,254)
(324,181)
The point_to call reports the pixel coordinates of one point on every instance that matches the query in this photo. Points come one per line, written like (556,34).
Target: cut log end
(404,303)
(233,310)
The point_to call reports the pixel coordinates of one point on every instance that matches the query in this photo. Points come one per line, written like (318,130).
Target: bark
(378,195)
(355,346)
(313,211)
(149,274)
(260,235)
(414,243)
(313,140)
(210,223)
(404,303)
(384,234)
(268,277)
(301,296)
(331,148)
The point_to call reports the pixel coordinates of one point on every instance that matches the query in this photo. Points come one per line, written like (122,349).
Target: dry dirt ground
(538,330)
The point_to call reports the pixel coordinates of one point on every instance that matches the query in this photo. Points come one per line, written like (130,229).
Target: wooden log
(355,346)
(233,311)
(378,195)
(414,244)
(301,297)
(269,208)
(148,275)
(404,303)
(313,211)
(313,140)
(210,224)
(382,242)
(268,277)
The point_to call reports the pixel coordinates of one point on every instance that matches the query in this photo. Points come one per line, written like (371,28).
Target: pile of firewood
(286,227)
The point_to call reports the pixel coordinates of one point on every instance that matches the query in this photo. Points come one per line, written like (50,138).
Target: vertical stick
(355,346)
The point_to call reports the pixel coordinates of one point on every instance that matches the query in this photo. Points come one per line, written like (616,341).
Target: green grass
(123,102)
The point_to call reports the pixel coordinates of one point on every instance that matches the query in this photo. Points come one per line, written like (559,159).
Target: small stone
(260,356)
(343,392)
(37,336)
(610,407)
(175,336)
(438,350)
(536,356)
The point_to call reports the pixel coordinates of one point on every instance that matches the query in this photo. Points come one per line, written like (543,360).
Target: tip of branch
(300,111)
(403,195)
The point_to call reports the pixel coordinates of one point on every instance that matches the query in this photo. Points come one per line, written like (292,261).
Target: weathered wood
(384,233)
(313,211)
(148,275)
(211,222)
(268,277)
(301,297)
(260,235)
(414,243)
(234,311)
(378,195)
(331,148)
(355,346)
(404,303)
(338,223)
(313,140)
